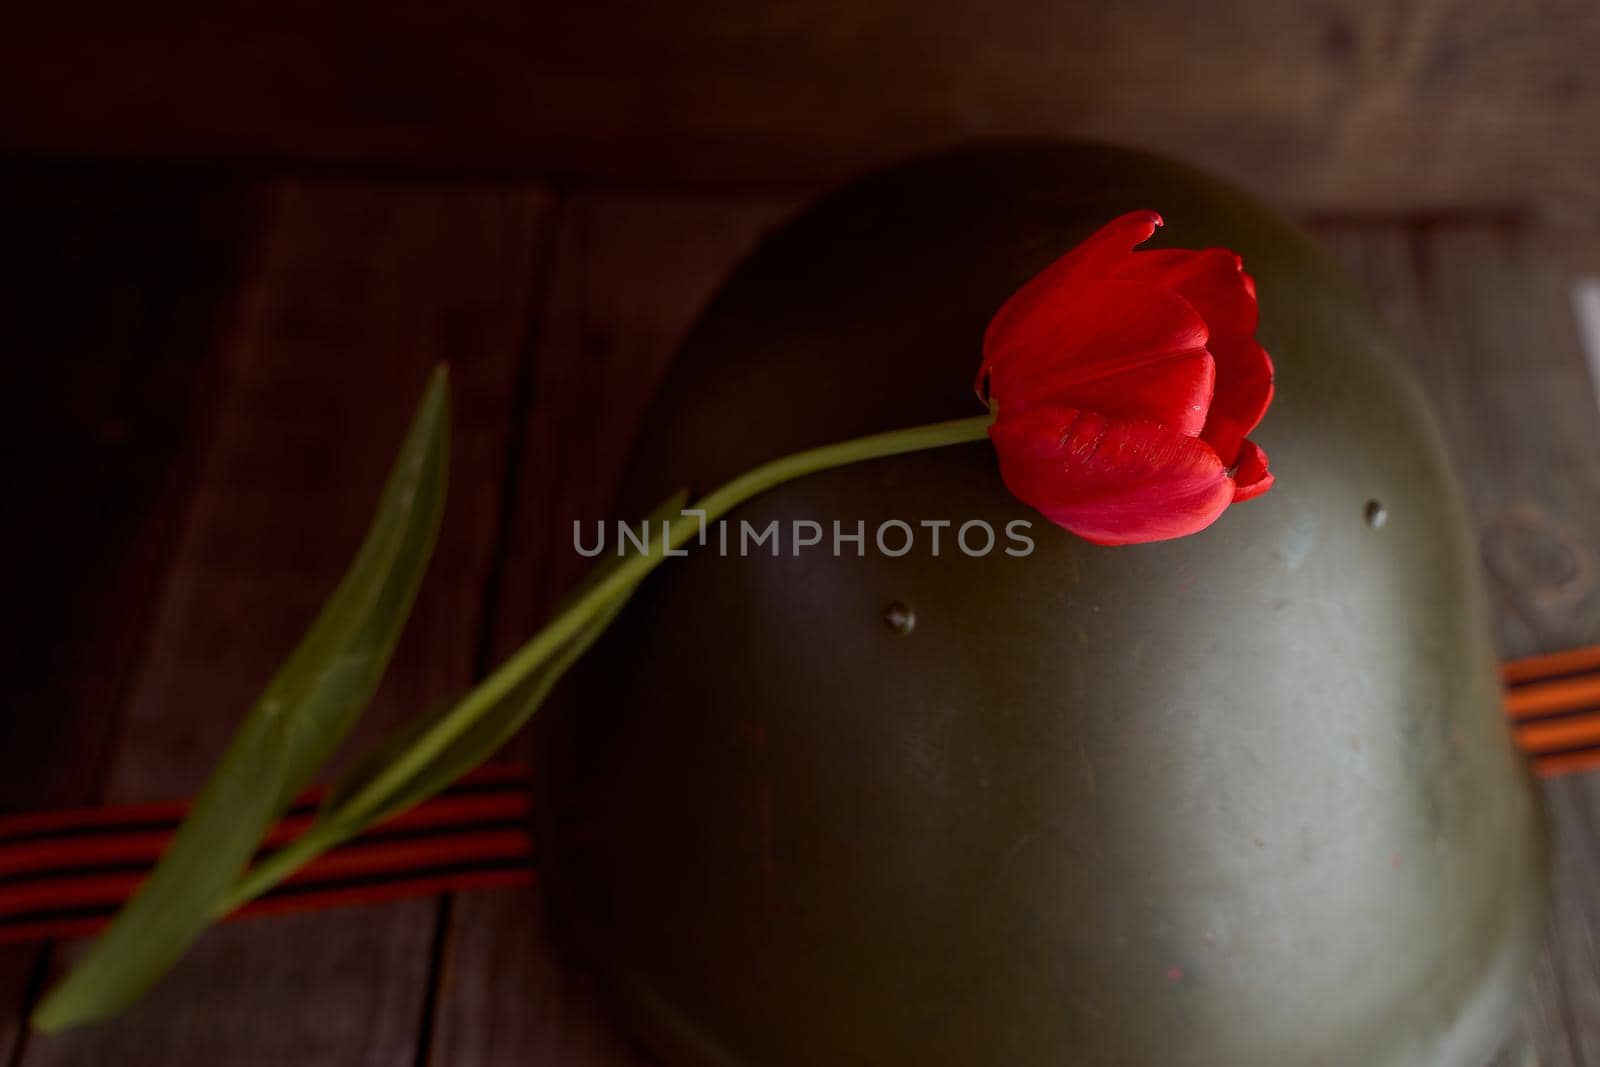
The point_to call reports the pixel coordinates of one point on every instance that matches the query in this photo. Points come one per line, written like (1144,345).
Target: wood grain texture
(1483,309)
(359,293)
(629,275)
(112,293)
(1345,103)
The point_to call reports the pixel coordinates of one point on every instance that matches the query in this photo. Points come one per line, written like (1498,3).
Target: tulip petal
(1251,477)
(1245,390)
(1212,280)
(1096,258)
(1215,282)
(1124,349)
(1175,393)
(1111,481)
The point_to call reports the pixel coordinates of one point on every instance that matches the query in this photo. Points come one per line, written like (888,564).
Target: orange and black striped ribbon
(1554,705)
(65,873)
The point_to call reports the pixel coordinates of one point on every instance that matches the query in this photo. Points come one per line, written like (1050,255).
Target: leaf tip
(50,1016)
(438,391)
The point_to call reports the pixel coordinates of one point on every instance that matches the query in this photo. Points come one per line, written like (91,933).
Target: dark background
(1337,105)
(235,237)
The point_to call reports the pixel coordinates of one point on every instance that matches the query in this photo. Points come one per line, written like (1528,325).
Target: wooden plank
(111,293)
(360,291)
(630,274)
(112,289)
(1348,104)
(1484,310)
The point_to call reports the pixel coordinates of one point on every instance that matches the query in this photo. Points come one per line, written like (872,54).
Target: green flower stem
(896,442)
(351,816)
(319,838)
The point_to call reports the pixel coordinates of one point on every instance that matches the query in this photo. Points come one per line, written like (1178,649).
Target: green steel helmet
(1243,799)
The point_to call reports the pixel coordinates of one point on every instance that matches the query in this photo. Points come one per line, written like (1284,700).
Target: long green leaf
(352,807)
(306,710)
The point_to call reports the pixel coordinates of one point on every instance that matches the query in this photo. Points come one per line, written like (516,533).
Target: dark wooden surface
(207,378)
(1347,104)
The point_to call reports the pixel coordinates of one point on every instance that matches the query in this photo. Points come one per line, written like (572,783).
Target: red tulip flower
(1123,385)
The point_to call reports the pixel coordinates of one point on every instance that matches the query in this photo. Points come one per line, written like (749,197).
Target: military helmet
(1245,798)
